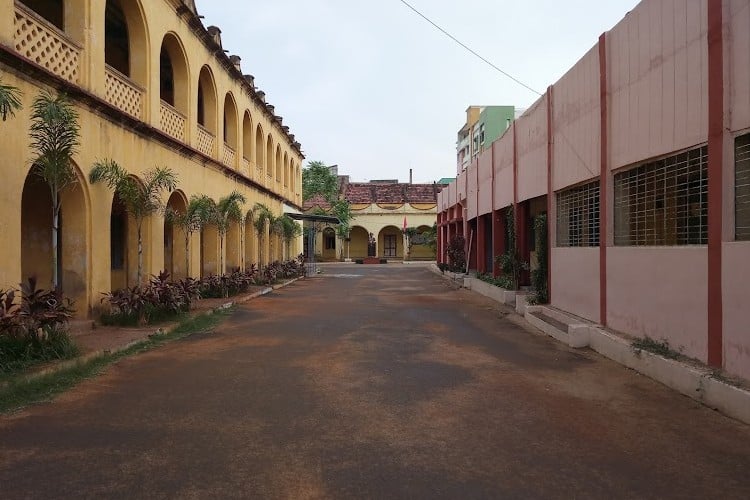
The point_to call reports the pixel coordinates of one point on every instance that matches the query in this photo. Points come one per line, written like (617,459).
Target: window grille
(742,187)
(664,202)
(578,216)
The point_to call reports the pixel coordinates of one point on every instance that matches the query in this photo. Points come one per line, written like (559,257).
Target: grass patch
(654,346)
(22,391)
(21,353)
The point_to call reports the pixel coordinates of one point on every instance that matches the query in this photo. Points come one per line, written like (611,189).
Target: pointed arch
(175,251)
(260,162)
(269,156)
(174,71)
(73,241)
(247,136)
(278,163)
(231,122)
(286,169)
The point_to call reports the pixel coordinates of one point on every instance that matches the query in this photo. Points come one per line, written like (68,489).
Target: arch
(233,247)
(231,121)
(292,183)
(421,251)
(207,100)
(286,170)
(126,45)
(73,243)
(259,149)
(251,242)
(176,251)
(278,163)
(358,239)
(123,245)
(390,243)
(209,251)
(329,244)
(174,86)
(247,136)
(269,156)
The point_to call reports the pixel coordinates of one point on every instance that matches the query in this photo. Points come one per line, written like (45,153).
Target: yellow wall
(138,145)
(374,219)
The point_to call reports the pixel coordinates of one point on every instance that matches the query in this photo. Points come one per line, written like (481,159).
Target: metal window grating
(578,216)
(742,187)
(664,202)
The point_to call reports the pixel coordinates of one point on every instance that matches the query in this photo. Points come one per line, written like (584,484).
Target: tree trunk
(221,254)
(55,229)
(187,254)
(140,254)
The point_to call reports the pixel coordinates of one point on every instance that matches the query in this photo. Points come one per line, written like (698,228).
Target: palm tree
(226,211)
(261,215)
(10,100)
(55,139)
(141,199)
(197,214)
(288,230)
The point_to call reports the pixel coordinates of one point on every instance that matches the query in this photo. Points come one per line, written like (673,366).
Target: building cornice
(200,31)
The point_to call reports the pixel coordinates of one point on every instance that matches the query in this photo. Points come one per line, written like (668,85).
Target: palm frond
(10,100)
(55,138)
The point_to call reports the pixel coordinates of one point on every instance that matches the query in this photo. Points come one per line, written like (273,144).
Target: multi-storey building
(152,87)
(484,124)
(639,156)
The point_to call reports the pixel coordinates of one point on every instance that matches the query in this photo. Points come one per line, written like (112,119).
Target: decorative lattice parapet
(43,43)
(229,156)
(246,167)
(205,141)
(172,122)
(122,93)
(259,173)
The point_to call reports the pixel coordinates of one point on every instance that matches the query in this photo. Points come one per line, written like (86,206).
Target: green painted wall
(495,119)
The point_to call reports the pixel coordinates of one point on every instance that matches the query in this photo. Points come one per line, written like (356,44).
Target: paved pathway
(372,382)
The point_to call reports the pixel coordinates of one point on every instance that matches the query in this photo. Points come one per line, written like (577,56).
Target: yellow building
(380,209)
(152,87)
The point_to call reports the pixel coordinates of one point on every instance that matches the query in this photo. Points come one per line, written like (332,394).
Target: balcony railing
(229,156)
(259,173)
(172,122)
(122,92)
(205,141)
(41,42)
(246,167)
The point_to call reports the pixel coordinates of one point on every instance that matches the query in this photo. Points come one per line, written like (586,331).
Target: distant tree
(317,179)
(55,139)
(141,199)
(10,100)
(195,217)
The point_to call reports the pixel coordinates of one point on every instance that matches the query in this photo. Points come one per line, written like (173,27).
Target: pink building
(640,156)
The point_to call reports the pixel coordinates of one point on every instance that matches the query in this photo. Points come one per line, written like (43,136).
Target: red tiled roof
(391,193)
(316,201)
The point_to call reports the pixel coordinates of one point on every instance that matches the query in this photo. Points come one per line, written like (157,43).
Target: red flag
(404,223)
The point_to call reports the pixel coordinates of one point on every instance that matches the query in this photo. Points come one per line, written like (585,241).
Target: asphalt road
(372,382)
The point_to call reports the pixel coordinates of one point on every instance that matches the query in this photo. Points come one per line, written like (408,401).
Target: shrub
(457,254)
(32,329)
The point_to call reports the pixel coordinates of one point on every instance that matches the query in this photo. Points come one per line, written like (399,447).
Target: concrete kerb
(63,365)
(697,382)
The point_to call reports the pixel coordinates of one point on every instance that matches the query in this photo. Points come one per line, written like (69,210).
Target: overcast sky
(372,87)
